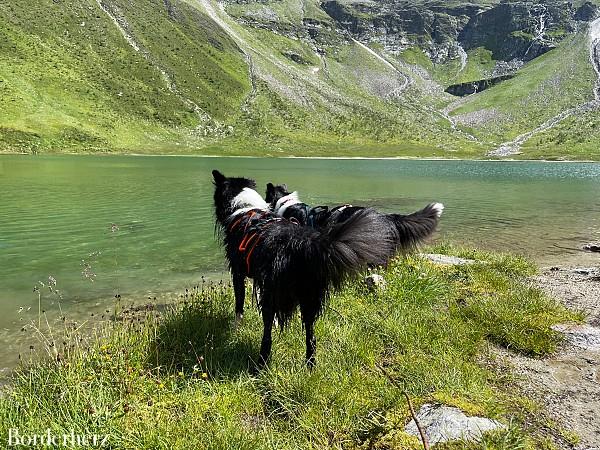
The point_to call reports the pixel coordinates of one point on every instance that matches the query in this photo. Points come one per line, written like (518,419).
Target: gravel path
(568,383)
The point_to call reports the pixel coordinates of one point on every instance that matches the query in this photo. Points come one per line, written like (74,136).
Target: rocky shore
(568,382)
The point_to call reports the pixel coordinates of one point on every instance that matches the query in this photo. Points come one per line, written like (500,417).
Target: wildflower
(204,375)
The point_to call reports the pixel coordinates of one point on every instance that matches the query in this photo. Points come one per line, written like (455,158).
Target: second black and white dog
(293,265)
(410,228)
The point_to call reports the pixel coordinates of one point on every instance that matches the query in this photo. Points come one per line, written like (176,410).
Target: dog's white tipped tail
(439,209)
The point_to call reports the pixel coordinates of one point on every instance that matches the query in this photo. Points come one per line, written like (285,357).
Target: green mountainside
(301,77)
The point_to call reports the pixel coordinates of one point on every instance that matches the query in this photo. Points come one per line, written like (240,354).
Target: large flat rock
(445,423)
(582,336)
(446,260)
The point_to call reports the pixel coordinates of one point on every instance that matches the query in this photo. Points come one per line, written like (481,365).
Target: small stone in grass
(582,336)
(375,282)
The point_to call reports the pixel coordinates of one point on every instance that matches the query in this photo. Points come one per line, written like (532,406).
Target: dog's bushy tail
(413,228)
(367,238)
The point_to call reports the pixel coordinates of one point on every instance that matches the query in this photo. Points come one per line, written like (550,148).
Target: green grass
(579,134)
(558,80)
(183,379)
(113,97)
(69,76)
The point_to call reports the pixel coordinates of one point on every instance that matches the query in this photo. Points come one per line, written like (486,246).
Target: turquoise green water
(57,215)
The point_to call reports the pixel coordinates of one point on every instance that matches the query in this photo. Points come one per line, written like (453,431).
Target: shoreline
(349,158)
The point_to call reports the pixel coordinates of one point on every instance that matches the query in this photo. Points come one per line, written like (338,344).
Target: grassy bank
(182,379)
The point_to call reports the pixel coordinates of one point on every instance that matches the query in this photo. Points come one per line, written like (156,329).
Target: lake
(141,227)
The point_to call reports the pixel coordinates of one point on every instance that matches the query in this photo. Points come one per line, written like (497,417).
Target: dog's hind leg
(265,347)
(239,289)
(308,319)
(311,344)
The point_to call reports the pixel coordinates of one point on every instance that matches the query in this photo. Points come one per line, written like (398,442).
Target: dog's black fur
(410,229)
(292,265)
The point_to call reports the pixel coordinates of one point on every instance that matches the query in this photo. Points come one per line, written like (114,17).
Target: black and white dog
(292,265)
(410,229)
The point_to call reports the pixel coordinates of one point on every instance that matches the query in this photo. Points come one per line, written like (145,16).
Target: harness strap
(252,234)
(246,241)
(250,254)
(250,216)
(236,223)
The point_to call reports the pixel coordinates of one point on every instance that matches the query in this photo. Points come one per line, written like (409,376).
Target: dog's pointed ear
(270,188)
(218,176)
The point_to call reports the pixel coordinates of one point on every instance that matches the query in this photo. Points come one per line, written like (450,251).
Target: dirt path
(568,383)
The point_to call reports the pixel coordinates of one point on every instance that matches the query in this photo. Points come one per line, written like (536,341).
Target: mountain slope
(296,77)
(71,79)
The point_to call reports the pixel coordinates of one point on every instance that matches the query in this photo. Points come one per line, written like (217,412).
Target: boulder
(445,423)
(582,336)
(446,260)
(375,282)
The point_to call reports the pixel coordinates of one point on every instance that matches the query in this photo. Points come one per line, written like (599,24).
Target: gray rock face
(446,260)
(582,336)
(520,30)
(586,12)
(473,87)
(512,30)
(398,24)
(445,423)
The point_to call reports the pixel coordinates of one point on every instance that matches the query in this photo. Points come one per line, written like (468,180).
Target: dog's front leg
(265,346)
(239,289)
